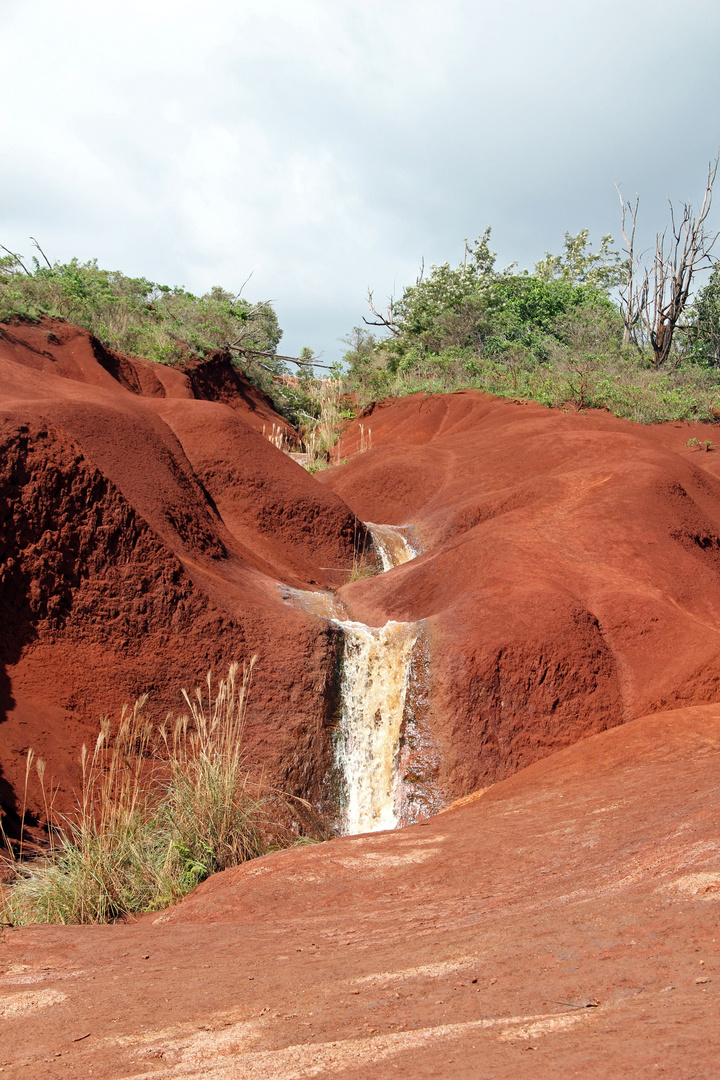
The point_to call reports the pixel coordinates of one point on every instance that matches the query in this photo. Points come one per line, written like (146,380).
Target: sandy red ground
(565,923)
(561,921)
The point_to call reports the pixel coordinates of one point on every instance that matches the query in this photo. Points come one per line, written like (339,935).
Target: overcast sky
(329,145)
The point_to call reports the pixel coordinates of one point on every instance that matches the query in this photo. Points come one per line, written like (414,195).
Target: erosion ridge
(144,531)
(569,580)
(568,601)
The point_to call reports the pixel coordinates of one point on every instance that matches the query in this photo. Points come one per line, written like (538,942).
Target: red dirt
(570,579)
(565,923)
(569,591)
(144,532)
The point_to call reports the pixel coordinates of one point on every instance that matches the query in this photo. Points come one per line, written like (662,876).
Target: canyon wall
(567,577)
(145,524)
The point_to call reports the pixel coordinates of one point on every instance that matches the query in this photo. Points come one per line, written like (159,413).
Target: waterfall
(391,545)
(375,670)
(375,674)
(373,689)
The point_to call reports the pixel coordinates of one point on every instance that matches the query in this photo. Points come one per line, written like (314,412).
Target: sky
(325,147)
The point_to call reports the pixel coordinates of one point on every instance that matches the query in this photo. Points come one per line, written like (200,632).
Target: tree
(602,270)
(444,309)
(705,328)
(655,297)
(453,319)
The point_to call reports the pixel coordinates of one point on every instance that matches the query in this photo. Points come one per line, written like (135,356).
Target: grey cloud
(328,147)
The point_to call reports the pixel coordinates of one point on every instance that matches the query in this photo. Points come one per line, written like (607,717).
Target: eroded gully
(376,665)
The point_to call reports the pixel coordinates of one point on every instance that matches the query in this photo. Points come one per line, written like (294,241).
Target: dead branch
(41,252)
(386,321)
(237,297)
(253,353)
(658,297)
(17,259)
(631,301)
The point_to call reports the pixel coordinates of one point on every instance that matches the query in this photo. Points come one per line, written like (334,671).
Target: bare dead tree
(631,301)
(387,321)
(656,296)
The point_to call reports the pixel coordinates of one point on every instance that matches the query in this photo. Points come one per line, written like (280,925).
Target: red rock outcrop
(570,571)
(568,579)
(144,530)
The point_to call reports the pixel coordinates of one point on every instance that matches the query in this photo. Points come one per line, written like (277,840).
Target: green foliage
(449,307)
(705,444)
(704,329)
(554,336)
(455,319)
(528,310)
(601,270)
(135,315)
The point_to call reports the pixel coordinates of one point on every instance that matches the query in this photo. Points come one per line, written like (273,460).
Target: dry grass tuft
(160,810)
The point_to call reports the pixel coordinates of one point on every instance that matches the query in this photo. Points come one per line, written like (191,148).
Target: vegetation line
(587,328)
(558,336)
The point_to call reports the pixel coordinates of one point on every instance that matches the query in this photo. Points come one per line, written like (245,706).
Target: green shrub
(554,336)
(134,315)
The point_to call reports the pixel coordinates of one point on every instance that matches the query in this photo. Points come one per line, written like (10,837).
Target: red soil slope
(568,581)
(564,924)
(145,524)
(570,578)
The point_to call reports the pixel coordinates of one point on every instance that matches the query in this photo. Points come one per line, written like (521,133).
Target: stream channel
(375,673)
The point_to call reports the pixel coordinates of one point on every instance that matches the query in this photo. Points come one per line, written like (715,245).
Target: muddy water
(392,544)
(375,673)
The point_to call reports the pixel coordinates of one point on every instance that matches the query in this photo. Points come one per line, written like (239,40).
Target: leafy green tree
(527,308)
(602,270)
(704,340)
(444,309)
(445,324)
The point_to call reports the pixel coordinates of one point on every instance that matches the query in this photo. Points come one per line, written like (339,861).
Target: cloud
(329,146)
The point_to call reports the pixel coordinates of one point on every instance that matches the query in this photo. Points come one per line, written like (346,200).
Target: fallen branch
(276,356)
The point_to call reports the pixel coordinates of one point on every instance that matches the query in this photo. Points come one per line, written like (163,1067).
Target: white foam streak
(376,668)
(391,545)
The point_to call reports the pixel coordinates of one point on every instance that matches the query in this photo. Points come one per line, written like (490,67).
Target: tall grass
(320,433)
(160,809)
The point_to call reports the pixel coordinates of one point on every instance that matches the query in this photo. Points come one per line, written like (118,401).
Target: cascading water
(376,665)
(391,545)
(375,674)
(375,670)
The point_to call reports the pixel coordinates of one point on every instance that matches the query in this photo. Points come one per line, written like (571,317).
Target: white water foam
(391,544)
(375,672)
